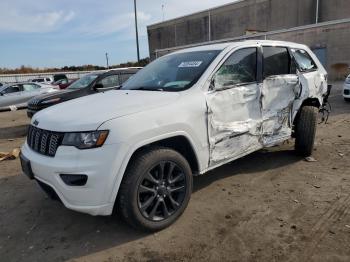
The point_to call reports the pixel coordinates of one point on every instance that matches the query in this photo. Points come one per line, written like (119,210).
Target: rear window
(304,60)
(276,61)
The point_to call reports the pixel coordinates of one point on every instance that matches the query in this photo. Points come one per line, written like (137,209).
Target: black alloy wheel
(161,191)
(155,190)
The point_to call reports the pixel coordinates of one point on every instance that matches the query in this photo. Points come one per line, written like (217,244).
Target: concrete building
(324,25)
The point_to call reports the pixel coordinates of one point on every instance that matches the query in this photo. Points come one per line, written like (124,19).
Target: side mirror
(98,86)
(221,82)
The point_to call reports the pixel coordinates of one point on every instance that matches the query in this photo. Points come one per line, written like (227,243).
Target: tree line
(28,69)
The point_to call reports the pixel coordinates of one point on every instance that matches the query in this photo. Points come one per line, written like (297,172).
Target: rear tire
(155,190)
(305,130)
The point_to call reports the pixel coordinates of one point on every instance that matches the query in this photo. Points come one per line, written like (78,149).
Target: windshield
(83,82)
(2,88)
(174,72)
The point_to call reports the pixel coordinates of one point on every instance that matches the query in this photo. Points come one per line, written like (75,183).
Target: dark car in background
(87,85)
(63,83)
(58,77)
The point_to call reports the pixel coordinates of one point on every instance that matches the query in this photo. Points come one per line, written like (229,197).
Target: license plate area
(26,167)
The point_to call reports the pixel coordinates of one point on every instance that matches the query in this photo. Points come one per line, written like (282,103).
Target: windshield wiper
(146,88)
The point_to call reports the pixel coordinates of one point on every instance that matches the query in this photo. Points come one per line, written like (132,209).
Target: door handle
(249,94)
(293,81)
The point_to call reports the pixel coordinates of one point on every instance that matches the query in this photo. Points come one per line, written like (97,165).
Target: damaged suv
(136,149)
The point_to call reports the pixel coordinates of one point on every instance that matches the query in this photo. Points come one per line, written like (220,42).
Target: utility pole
(137,33)
(163,11)
(107,60)
(317,10)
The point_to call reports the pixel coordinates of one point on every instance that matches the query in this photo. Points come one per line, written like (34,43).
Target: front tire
(305,130)
(155,190)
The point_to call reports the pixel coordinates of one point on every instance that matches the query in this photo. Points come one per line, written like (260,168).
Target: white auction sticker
(191,64)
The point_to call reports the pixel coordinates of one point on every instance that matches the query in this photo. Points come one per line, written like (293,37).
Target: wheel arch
(178,141)
(311,101)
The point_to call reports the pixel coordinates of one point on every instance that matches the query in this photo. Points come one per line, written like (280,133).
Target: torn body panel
(234,122)
(313,86)
(243,119)
(278,95)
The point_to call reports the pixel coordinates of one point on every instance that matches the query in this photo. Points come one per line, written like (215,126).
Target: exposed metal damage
(244,119)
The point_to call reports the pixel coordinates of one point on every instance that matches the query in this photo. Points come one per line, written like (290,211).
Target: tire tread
(306,130)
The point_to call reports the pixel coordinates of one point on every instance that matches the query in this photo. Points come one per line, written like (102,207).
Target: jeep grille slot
(44,142)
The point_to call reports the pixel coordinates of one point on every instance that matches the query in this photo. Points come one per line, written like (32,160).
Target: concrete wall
(334,10)
(332,38)
(235,19)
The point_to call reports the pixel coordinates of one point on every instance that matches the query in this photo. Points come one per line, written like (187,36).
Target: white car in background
(346,90)
(43,80)
(17,95)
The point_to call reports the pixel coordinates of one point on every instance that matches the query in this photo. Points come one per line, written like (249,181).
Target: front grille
(34,105)
(43,141)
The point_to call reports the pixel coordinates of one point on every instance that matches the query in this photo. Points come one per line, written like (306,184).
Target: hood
(64,95)
(89,112)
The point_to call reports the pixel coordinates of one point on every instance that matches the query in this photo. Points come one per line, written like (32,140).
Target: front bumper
(95,196)
(346,91)
(31,113)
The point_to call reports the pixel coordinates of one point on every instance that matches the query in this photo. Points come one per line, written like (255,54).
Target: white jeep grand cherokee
(135,150)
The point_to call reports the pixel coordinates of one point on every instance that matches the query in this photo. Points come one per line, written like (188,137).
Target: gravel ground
(268,206)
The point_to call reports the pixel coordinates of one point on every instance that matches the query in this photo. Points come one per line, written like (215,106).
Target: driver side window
(239,68)
(12,89)
(109,81)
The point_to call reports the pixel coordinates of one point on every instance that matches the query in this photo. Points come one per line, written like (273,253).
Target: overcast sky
(48,33)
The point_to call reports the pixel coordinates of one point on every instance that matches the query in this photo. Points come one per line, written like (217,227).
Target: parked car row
(87,85)
(135,150)
(17,95)
(50,80)
(46,93)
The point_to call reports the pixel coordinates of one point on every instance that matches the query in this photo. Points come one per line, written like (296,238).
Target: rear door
(280,89)
(234,109)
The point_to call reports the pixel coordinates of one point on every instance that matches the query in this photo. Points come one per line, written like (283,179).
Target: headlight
(53,100)
(85,140)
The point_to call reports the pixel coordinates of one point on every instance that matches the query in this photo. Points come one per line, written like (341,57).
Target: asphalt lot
(268,206)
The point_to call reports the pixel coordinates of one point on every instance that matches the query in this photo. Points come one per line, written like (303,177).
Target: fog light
(74,180)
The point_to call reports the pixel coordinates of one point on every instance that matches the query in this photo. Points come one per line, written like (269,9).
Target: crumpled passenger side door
(234,109)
